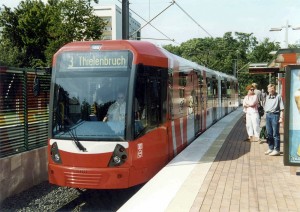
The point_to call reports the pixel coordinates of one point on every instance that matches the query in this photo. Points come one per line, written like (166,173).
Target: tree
(25,30)
(174,49)
(261,54)
(72,20)
(10,55)
(34,31)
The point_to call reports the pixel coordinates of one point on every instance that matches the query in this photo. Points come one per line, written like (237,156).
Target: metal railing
(24,100)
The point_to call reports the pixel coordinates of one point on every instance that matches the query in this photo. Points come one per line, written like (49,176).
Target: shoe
(274,153)
(268,151)
(261,142)
(247,140)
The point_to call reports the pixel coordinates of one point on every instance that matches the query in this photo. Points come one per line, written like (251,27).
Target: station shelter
(278,66)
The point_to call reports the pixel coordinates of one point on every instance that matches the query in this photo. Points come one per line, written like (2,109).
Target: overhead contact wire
(192,18)
(172,3)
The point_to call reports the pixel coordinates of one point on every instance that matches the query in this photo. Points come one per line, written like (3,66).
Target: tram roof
(185,64)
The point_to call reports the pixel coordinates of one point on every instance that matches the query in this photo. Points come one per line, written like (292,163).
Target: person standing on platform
(257,93)
(274,116)
(250,105)
(263,131)
(263,97)
(262,124)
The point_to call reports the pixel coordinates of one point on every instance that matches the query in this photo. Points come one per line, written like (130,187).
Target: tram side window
(209,87)
(215,87)
(229,88)
(210,92)
(150,98)
(224,88)
(203,87)
(212,85)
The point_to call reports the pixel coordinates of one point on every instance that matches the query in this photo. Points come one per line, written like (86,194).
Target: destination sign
(94,60)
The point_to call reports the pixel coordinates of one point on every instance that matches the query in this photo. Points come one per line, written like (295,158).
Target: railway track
(47,197)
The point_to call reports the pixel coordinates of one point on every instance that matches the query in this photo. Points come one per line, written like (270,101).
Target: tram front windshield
(90,104)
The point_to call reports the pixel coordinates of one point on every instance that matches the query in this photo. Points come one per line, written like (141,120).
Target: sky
(212,18)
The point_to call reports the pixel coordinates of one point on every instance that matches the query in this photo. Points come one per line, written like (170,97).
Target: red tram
(99,142)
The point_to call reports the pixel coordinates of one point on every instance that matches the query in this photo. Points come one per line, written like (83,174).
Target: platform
(221,172)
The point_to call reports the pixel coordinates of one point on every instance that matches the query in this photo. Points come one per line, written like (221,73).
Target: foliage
(293,46)
(34,31)
(259,54)
(10,55)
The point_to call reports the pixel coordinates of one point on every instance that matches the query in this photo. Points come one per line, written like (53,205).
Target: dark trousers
(272,126)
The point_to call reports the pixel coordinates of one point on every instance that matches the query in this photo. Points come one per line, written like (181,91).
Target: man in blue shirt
(274,116)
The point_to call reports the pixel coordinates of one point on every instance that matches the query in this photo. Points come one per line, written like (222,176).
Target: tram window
(202,83)
(183,78)
(229,90)
(181,93)
(214,87)
(81,103)
(170,93)
(209,87)
(223,88)
(150,98)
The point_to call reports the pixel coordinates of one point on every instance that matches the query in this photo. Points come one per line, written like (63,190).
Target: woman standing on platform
(250,105)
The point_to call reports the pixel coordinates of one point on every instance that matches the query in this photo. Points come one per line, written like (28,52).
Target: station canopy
(282,58)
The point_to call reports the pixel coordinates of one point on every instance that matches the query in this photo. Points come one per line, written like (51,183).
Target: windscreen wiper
(76,140)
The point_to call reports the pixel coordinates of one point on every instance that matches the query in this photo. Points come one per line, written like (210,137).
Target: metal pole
(286,46)
(125,19)
(287,34)
(234,68)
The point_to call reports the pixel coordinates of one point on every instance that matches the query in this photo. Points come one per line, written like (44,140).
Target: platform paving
(243,178)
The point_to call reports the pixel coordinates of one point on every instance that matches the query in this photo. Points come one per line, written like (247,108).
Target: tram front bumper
(90,178)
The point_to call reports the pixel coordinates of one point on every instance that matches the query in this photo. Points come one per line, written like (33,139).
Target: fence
(24,100)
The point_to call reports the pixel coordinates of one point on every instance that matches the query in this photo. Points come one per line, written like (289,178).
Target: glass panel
(150,96)
(90,108)
(94,61)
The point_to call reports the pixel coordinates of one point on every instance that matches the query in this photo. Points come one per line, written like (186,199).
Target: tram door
(224,99)
(150,115)
(203,102)
(193,121)
(215,100)
(198,104)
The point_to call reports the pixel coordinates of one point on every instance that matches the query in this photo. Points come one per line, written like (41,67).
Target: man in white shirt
(117,111)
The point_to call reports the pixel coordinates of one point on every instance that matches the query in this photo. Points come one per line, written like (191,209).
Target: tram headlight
(118,157)
(55,153)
